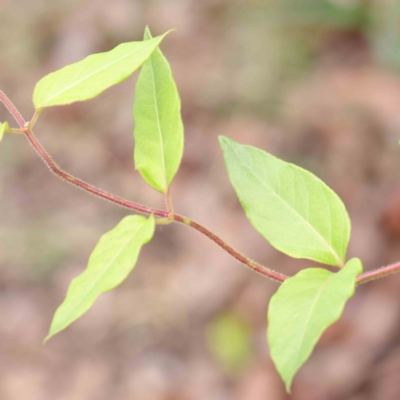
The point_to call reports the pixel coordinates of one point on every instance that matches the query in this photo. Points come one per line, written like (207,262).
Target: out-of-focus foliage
(385,32)
(318,14)
(230,341)
(278,41)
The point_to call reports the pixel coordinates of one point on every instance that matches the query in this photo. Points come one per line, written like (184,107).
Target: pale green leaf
(158,125)
(302,308)
(230,340)
(3,128)
(293,209)
(94,74)
(110,263)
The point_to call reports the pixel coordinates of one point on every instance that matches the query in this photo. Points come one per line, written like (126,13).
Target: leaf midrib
(160,134)
(314,303)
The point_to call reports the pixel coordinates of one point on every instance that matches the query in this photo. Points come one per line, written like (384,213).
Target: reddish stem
(363,278)
(378,273)
(129,204)
(276,276)
(85,186)
(68,177)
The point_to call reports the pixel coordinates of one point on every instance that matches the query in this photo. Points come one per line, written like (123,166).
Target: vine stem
(168,215)
(378,273)
(68,177)
(276,276)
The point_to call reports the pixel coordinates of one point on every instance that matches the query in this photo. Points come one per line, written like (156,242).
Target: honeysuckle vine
(165,216)
(290,207)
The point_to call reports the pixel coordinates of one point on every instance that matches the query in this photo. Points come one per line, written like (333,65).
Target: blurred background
(315,82)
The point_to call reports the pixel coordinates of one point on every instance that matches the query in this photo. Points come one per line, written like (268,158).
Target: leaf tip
(147,33)
(4,127)
(48,337)
(168,32)
(223,140)
(226,142)
(54,329)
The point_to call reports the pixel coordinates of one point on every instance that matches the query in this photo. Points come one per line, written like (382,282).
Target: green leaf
(110,263)
(293,209)
(302,308)
(94,74)
(3,128)
(158,124)
(230,340)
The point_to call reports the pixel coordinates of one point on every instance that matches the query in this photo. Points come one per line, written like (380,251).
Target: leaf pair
(158,152)
(159,128)
(300,216)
